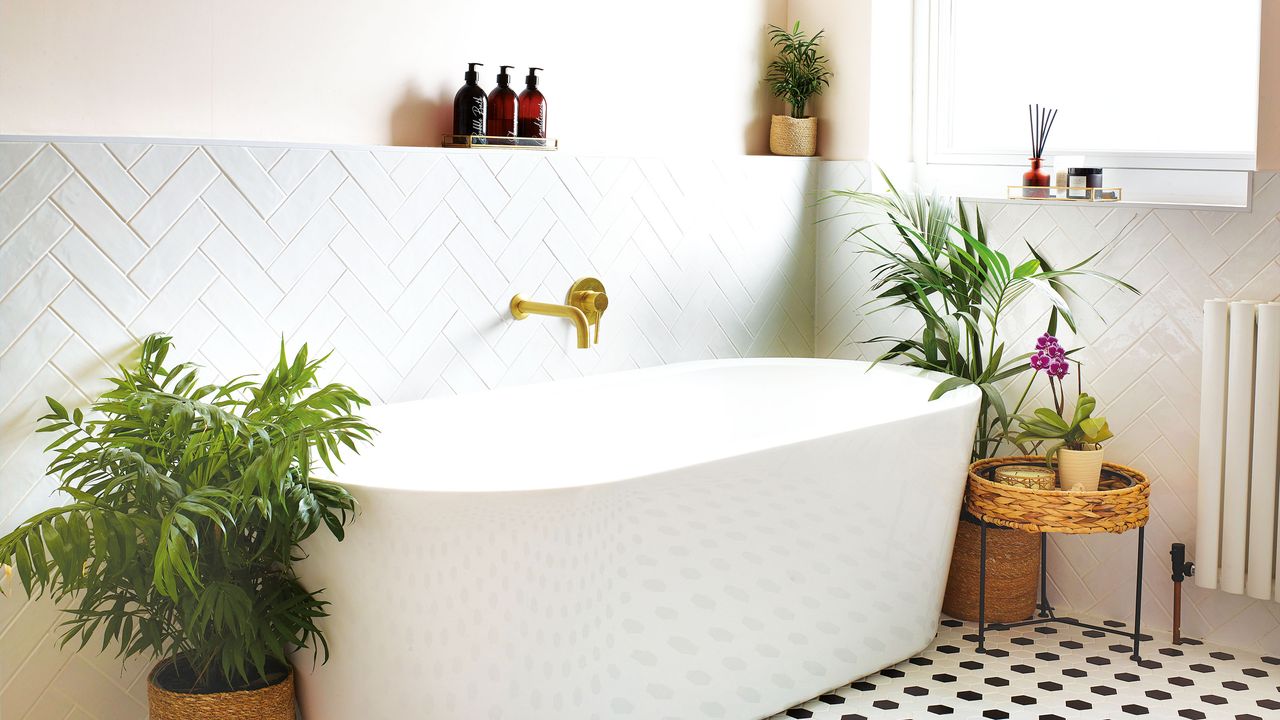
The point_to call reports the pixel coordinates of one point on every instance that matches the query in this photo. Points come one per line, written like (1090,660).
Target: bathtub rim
(954,400)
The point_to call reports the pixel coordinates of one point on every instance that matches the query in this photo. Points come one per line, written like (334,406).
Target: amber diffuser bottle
(1035,178)
(503,105)
(533,109)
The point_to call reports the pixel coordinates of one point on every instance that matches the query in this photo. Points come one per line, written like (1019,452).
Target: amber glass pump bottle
(469,105)
(533,108)
(503,106)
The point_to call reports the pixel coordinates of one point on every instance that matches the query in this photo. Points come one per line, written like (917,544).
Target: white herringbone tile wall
(1142,358)
(401,262)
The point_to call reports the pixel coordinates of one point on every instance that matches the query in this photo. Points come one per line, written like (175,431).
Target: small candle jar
(1028,476)
(1080,179)
(1062,163)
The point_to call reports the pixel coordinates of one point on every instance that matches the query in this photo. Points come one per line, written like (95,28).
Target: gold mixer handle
(591,301)
(593,304)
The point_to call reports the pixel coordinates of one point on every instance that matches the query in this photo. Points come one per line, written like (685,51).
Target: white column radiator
(1237,544)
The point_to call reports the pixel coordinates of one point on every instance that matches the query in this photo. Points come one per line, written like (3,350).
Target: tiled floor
(1059,672)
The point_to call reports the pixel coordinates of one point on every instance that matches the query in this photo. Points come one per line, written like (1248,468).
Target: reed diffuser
(1041,124)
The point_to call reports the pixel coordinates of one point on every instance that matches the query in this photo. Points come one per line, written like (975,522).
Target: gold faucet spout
(522,308)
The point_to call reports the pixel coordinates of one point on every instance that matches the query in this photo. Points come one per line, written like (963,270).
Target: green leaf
(1095,430)
(947,386)
(1052,419)
(1051,452)
(1084,408)
(993,397)
(57,408)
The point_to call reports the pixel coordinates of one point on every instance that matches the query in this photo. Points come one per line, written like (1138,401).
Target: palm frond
(941,265)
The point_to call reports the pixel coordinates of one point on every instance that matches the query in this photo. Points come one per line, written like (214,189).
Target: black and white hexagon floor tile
(1058,672)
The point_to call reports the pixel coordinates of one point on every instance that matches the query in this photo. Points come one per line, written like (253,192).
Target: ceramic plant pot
(793,136)
(274,701)
(1079,469)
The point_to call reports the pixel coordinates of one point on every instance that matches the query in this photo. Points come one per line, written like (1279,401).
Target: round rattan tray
(1120,503)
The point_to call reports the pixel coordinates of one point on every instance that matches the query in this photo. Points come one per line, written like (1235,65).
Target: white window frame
(933,43)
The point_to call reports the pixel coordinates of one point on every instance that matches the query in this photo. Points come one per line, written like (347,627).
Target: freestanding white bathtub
(719,539)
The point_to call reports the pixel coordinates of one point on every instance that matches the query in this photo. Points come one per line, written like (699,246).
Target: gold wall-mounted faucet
(585,303)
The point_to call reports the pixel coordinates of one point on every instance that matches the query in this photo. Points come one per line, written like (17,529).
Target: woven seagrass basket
(1013,573)
(273,702)
(793,136)
(1120,503)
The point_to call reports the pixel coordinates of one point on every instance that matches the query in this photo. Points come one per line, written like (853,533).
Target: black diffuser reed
(1041,124)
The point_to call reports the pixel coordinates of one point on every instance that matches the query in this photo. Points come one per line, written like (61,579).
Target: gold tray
(498,142)
(1065,194)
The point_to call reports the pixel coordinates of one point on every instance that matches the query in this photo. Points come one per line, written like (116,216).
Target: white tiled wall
(1142,359)
(400,261)
(403,262)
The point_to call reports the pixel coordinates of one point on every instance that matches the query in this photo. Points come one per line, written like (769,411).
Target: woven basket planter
(1120,503)
(1013,573)
(793,136)
(273,702)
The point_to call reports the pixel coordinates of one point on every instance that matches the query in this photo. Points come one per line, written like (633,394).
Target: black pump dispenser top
(472,75)
(503,77)
(532,79)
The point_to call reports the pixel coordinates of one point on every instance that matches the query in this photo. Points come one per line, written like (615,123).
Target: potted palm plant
(798,73)
(186,503)
(937,263)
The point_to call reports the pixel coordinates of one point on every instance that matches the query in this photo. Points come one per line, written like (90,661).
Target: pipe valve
(1182,567)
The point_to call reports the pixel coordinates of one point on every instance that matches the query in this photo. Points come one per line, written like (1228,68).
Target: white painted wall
(865,113)
(662,76)
(844,108)
(1269,88)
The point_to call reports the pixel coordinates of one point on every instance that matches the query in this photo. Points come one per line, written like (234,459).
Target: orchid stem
(1018,408)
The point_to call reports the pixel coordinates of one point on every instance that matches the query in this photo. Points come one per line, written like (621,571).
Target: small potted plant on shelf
(1076,444)
(187,503)
(797,74)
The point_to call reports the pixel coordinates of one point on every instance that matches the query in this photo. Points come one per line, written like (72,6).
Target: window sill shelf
(1127,204)
(1157,189)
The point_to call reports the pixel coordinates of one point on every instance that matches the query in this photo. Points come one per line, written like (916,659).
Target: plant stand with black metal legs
(1045,609)
(1120,504)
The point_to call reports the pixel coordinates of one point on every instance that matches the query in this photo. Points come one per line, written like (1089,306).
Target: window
(1140,84)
